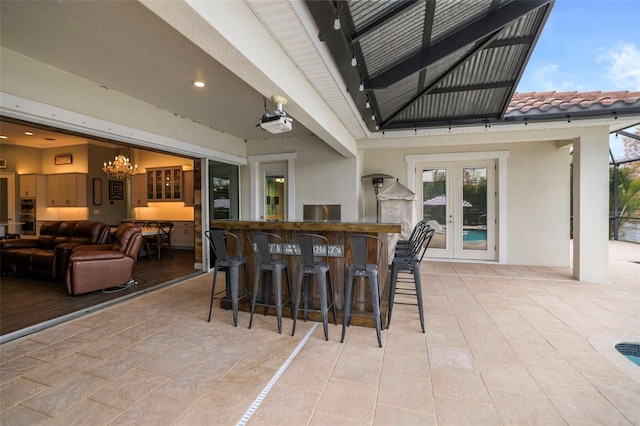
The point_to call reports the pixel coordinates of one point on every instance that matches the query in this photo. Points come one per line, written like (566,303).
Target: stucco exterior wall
(537,193)
(322,175)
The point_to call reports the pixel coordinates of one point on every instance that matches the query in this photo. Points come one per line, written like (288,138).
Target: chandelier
(120,167)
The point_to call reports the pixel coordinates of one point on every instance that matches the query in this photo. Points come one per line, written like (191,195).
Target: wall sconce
(377,179)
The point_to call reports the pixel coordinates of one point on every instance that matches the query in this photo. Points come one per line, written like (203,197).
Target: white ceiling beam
(230,32)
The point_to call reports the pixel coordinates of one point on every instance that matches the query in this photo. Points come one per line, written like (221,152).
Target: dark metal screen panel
(393,41)
(450,14)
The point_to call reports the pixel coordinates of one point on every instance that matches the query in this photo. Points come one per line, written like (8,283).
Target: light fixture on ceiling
(354,60)
(336,22)
(28,133)
(199,83)
(368,104)
(120,167)
(373,117)
(361,87)
(3,137)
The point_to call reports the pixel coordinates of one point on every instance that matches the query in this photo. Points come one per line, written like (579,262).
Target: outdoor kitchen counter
(332,231)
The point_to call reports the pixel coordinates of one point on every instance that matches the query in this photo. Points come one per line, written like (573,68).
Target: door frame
(500,158)
(256,182)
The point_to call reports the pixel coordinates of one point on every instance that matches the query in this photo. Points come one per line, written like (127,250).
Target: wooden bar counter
(332,231)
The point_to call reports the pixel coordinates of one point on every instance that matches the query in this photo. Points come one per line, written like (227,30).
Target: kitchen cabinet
(188,193)
(139,190)
(183,235)
(67,190)
(28,186)
(164,184)
(33,186)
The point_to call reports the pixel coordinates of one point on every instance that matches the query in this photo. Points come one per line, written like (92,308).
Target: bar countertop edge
(308,226)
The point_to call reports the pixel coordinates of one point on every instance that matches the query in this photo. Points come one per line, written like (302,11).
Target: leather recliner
(96,267)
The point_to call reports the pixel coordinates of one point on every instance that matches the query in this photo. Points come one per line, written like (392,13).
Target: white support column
(591,207)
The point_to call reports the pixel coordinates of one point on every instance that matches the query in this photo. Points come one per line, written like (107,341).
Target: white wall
(322,175)
(539,204)
(537,194)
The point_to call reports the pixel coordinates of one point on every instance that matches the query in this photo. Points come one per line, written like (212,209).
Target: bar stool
(313,260)
(408,262)
(231,266)
(355,252)
(271,264)
(414,237)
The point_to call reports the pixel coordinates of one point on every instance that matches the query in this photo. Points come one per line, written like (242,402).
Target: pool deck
(503,345)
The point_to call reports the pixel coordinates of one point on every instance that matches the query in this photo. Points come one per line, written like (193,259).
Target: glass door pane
(223,191)
(474,208)
(177,184)
(275,197)
(273,190)
(167,184)
(150,186)
(434,205)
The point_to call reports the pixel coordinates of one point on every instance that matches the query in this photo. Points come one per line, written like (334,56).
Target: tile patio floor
(503,345)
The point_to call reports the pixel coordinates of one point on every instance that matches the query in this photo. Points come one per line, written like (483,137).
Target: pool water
(631,351)
(475,235)
(634,359)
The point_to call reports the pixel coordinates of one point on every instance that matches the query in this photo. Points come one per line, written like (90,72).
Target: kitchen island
(332,231)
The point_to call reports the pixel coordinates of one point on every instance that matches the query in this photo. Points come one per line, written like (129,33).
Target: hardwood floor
(26,302)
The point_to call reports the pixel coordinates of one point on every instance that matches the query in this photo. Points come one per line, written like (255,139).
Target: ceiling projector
(275,123)
(278,122)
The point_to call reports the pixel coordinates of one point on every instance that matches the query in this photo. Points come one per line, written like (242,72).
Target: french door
(458,200)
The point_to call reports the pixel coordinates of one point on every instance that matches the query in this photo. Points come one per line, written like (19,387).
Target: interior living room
(38,156)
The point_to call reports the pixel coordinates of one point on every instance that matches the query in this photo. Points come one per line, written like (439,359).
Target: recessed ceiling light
(199,83)
(28,133)
(3,137)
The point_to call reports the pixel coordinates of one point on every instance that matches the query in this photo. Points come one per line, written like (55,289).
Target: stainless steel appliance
(28,216)
(321,212)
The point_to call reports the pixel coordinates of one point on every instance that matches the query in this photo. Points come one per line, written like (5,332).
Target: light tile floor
(503,345)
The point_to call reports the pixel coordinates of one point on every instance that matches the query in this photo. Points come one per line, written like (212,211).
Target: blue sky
(587,45)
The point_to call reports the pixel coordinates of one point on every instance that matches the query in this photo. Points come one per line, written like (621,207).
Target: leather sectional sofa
(96,267)
(48,255)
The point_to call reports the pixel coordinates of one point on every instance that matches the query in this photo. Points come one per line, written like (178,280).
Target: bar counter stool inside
(313,261)
(355,252)
(271,265)
(230,264)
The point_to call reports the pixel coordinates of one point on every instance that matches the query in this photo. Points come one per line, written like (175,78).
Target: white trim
(501,160)
(255,179)
(11,201)
(37,112)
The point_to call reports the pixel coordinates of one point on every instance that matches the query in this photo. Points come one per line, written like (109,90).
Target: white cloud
(623,65)
(547,77)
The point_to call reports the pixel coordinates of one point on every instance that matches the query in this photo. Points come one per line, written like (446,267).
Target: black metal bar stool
(270,263)
(313,261)
(408,262)
(231,265)
(355,252)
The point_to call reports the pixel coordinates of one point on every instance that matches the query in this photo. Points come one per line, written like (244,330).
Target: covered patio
(504,344)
